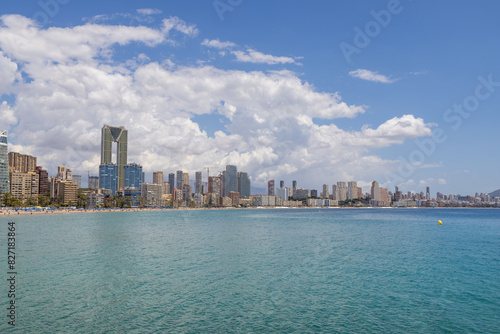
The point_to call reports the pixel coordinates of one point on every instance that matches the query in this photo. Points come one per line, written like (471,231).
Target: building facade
(158,177)
(197,183)
(4,163)
(118,135)
(43,179)
(244,185)
(108,177)
(230,180)
(133,176)
(93,182)
(24,185)
(270,188)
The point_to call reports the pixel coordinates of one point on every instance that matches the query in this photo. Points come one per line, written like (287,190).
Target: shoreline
(16,212)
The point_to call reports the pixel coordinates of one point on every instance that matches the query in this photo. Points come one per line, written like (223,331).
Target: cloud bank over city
(64,84)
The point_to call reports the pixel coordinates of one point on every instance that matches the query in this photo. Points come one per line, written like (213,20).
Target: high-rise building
(152,193)
(77,179)
(4,163)
(384,196)
(43,181)
(375,191)
(61,172)
(197,184)
(294,186)
(69,175)
(335,193)
(428,193)
(270,188)
(21,163)
(235,198)
(118,135)
(282,184)
(68,191)
(230,180)
(324,193)
(243,184)
(352,190)
(186,192)
(283,193)
(214,186)
(93,182)
(342,191)
(133,176)
(108,177)
(158,177)
(24,185)
(179,175)
(171,181)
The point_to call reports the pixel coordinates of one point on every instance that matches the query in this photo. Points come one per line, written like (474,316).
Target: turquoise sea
(256,271)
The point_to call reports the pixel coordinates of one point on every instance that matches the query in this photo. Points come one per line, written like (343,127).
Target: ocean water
(256,271)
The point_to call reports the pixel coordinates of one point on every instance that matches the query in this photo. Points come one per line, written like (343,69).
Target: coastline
(16,212)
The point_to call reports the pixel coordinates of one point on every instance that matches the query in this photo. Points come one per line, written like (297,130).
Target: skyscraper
(4,163)
(375,191)
(179,179)
(270,187)
(118,135)
(230,179)
(341,191)
(185,180)
(243,185)
(21,163)
(133,176)
(282,184)
(158,177)
(427,193)
(352,190)
(108,177)
(93,182)
(171,181)
(324,193)
(335,192)
(43,179)
(197,184)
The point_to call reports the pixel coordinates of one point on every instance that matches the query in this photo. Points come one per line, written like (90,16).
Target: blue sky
(265,85)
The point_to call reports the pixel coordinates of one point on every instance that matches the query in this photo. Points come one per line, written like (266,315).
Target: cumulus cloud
(67,97)
(215,43)
(252,56)
(371,76)
(7,114)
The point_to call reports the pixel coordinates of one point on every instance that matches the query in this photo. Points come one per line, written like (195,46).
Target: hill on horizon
(495,193)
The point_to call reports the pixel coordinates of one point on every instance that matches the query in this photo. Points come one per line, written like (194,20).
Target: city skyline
(318,102)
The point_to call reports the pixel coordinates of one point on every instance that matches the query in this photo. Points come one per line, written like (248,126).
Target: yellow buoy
(440,222)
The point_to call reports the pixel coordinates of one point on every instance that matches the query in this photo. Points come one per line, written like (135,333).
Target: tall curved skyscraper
(110,135)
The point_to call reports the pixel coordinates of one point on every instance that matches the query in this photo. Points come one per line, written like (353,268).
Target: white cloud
(176,23)
(7,114)
(148,11)
(442,181)
(371,76)
(60,109)
(8,73)
(252,56)
(215,43)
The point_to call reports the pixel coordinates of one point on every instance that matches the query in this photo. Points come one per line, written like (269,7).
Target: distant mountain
(496,193)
